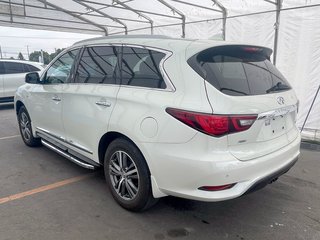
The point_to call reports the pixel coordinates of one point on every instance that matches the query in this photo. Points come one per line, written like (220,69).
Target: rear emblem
(280,100)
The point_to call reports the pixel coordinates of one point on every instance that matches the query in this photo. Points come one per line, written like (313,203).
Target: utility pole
(28,52)
(0,52)
(42,59)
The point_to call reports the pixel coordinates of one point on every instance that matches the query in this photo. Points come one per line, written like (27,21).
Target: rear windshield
(239,70)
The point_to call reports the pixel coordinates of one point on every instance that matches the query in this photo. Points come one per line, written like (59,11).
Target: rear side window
(239,70)
(30,68)
(12,67)
(2,68)
(98,65)
(140,67)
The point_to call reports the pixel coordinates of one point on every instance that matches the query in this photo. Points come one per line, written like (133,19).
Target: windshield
(239,70)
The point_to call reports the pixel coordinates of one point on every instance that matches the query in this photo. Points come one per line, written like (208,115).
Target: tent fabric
(298,56)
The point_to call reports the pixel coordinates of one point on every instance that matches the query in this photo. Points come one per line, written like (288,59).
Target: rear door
(14,78)
(242,81)
(90,99)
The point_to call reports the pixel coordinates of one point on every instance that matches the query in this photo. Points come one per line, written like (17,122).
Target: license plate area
(273,127)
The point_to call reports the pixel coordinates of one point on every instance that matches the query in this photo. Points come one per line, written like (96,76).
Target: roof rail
(126,37)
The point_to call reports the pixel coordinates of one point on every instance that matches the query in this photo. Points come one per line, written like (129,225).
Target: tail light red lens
(214,125)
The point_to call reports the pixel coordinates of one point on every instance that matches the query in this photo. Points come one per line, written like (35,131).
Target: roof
(159,41)
(21,61)
(156,41)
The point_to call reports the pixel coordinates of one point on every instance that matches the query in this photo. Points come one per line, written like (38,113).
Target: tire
(128,181)
(25,127)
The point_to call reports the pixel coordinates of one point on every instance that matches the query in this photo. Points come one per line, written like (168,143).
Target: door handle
(103,103)
(56,98)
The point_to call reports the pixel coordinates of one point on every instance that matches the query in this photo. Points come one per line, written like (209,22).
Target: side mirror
(32,78)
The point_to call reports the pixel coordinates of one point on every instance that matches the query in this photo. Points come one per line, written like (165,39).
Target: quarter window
(60,70)
(140,67)
(98,65)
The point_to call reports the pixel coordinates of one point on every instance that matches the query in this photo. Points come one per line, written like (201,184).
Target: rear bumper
(271,178)
(175,171)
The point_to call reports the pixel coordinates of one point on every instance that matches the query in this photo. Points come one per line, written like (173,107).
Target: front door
(47,98)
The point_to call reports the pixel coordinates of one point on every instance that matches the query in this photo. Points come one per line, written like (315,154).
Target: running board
(67,155)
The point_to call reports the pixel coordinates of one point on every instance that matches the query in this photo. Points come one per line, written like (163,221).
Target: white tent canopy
(294,36)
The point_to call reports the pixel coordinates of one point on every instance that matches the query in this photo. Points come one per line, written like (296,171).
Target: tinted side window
(12,67)
(60,70)
(2,68)
(140,67)
(98,65)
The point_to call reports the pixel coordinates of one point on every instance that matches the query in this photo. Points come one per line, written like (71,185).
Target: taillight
(214,125)
(241,123)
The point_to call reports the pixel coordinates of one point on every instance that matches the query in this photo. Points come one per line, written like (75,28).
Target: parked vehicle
(198,119)
(12,76)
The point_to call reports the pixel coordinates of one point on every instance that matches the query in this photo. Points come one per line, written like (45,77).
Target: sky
(15,40)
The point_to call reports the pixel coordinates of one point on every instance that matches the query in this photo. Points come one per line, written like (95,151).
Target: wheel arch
(18,105)
(107,138)
(104,142)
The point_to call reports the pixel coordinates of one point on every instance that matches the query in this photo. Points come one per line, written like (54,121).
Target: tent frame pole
(175,10)
(276,31)
(278,4)
(105,30)
(137,12)
(224,18)
(104,14)
(314,99)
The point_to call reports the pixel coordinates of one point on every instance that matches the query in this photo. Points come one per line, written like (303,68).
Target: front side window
(140,67)
(12,67)
(98,65)
(60,70)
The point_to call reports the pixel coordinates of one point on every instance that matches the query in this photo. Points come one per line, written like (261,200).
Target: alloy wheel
(25,126)
(124,175)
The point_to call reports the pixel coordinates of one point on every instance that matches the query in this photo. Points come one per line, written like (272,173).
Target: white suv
(12,76)
(197,119)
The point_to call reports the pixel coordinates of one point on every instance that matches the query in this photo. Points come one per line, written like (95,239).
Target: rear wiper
(278,87)
(233,90)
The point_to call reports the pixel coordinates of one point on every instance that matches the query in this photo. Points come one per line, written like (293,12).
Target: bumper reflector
(217,188)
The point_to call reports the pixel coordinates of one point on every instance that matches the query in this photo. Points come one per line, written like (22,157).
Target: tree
(20,56)
(34,56)
(57,51)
